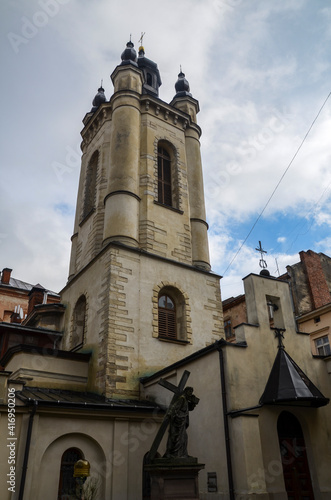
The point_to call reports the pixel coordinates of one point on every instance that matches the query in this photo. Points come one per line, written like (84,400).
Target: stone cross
(177,390)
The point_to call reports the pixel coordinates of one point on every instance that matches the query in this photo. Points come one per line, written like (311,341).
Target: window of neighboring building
(322,346)
(79,322)
(167,318)
(67,484)
(164,177)
(228,329)
(90,184)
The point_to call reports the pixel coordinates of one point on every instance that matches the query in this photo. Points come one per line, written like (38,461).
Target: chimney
(36,296)
(5,276)
(318,287)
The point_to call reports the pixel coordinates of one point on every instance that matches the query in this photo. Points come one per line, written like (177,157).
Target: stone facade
(130,246)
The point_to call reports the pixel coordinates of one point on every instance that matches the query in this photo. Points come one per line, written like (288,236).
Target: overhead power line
(277,185)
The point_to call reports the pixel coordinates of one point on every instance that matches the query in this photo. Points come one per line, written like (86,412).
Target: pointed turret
(129,55)
(99,99)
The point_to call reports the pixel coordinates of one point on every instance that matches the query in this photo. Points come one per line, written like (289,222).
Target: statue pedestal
(174,478)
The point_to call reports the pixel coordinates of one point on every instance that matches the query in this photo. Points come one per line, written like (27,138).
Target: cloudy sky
(261,72)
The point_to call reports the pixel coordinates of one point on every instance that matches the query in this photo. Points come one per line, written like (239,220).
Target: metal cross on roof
(279,334)
(141,38)
(262,262)
(177,390)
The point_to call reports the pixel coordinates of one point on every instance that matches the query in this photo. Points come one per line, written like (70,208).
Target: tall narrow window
(67,484)
(167,318)
(228,329)
(90,184)
(164,177)
(79,322)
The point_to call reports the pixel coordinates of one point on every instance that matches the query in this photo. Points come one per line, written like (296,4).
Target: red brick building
(15,296)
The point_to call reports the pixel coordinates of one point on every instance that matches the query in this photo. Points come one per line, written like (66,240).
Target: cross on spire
(262,262)
(141,38)
(279,334)
(177,390)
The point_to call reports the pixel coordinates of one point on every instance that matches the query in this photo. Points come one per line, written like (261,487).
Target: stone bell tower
(140,294)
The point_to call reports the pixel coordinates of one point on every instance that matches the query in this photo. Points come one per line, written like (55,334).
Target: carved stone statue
(178,414)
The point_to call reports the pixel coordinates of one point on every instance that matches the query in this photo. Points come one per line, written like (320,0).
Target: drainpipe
(226,426)
(27,451)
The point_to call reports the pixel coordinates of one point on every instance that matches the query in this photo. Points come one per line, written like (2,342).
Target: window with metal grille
(167,318)
(164,177)
(90,184)
(323,346)
(67,484)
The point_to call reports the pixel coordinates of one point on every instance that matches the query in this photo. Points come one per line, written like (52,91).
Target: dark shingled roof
(288,385)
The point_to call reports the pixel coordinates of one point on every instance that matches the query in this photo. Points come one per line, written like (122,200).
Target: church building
(142,304)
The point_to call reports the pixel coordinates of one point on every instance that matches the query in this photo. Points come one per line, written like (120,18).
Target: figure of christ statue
(178,414)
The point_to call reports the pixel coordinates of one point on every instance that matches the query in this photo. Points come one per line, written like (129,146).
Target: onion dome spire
(182,86)
(99,98)
(129,55)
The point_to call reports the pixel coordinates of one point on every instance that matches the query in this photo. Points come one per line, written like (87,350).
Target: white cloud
(260,71)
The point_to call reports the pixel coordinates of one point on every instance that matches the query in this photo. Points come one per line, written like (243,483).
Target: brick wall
(318,286)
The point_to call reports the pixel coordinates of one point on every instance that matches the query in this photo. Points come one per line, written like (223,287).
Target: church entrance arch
(294,458)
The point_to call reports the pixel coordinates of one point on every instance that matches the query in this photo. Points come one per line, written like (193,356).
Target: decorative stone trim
(95,123)
(186,321)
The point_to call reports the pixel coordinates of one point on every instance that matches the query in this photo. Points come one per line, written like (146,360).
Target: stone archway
(50,466)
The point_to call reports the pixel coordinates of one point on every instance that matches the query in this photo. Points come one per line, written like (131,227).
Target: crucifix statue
(182,402)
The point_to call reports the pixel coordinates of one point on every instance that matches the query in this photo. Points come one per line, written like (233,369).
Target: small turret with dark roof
(182,86)
(129,55)
(152,79)
(99,99)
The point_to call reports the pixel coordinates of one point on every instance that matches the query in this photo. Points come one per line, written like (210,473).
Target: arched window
(294,458)
(67,483)
(164,176)
(90,184)
(167,318)
(79,322)
(149,79)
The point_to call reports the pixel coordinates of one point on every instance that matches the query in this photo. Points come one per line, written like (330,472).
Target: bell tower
(140,259)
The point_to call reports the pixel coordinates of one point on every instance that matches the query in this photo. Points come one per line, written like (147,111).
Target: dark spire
(152,79)
(98,99)
(182,86)
(288,384)
(129,55)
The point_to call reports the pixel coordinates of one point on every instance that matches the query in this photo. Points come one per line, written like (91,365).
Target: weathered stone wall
(121,287)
